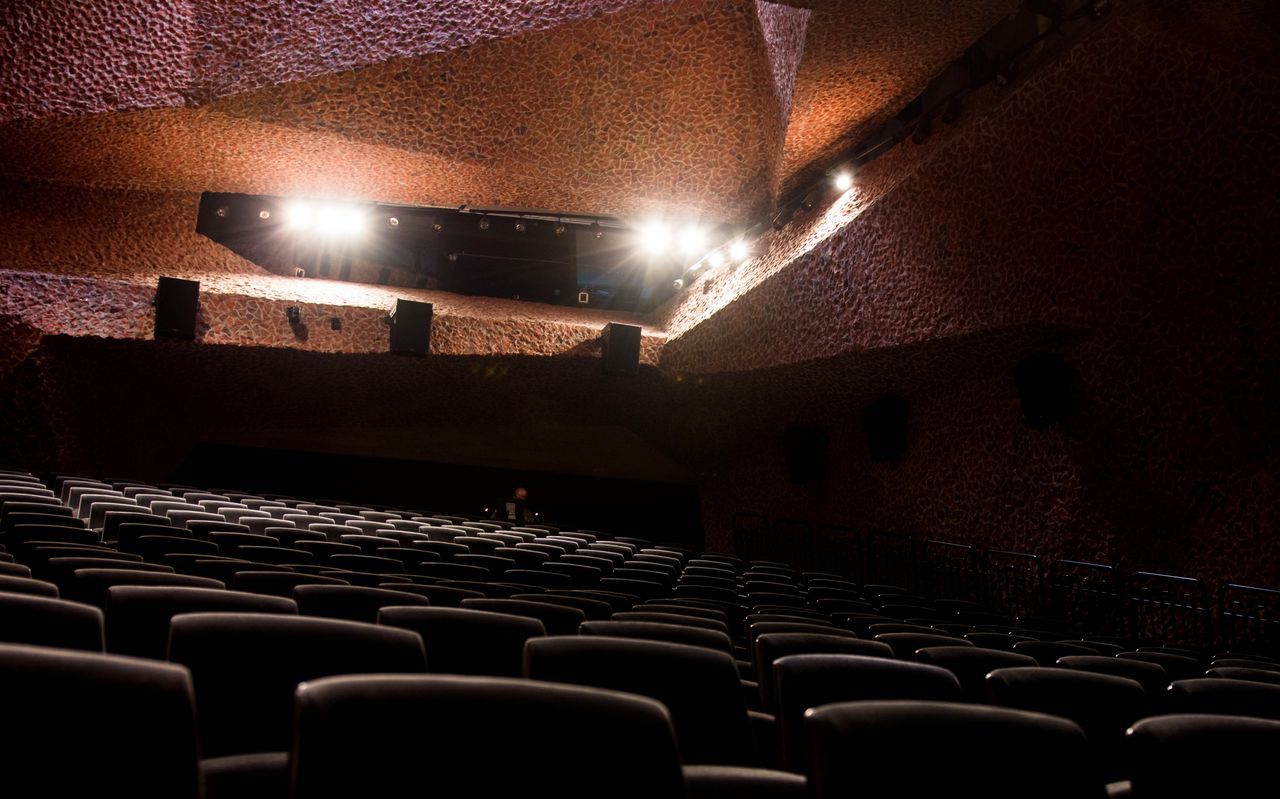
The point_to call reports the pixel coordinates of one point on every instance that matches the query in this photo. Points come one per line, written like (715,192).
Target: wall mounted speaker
(805,449)
(885,423)
(620,347)
(411,327)
(177,305)
(1044,387)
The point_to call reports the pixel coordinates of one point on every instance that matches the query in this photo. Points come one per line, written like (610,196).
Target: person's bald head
(520,494)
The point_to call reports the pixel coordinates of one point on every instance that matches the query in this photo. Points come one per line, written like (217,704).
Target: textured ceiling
(631,107)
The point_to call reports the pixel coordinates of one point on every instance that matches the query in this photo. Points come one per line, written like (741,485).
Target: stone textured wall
(1125,191)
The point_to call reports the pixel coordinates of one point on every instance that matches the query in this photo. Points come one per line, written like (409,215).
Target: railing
(1082,598)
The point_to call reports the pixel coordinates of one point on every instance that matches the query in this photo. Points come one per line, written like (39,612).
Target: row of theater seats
(713,640)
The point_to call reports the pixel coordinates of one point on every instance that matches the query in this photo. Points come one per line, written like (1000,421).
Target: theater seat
(557,619)
(43,621)
(138,616)
(698,686)
(1202,755)
(808,681)
(350,602)
(939,749)
(83,725)
(478,736)
(245,668)
(461,641)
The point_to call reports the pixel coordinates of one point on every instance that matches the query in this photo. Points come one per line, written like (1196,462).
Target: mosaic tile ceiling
(704,107)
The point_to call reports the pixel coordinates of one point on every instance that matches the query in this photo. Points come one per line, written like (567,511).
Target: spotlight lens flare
(716,259)
(655,237)
(299,216)
(693,240)
(843,181)
(739,251)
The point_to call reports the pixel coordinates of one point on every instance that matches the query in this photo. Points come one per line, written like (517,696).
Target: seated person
(514,509)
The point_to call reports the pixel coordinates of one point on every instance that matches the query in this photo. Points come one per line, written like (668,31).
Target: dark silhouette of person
(515,508)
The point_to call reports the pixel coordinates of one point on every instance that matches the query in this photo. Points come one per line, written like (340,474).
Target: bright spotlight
(300,216)
(656,238)
(716,259)
(843,181)
(739,251)
(351,221)
(693,240)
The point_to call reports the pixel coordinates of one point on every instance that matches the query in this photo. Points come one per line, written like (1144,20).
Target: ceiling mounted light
(693,240)
(300,216)
(484,223)
(559,229)
(716,259)
(520,228)
(842,180)
(655,237)
(739,251)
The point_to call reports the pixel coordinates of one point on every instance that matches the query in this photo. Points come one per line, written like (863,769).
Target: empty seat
(246,666)
(1225,697)
(1193,756)
(323,550)
(279,584)
(593,609)
(113,520)
(802,682)
(444,596)
(557,619)
(768,648)
(203,528)
(462,641)
(698,686)
(1238,673)
(971,665)
(10,569)
(80,724)
(607,734)
(994,640)
(1102,704)
(1152,676)
(228,543)
(351,602)
(672,618)
(539,577)
(91,585)
(44,621)
(61,570)
(755,629)
(933,749)
(452,571)
(904,645)
(368,543)
(128,534)
(20,535)
(138,616)
(24,585)
(1047,653)
(1178,667)
(154,547)
(673,633)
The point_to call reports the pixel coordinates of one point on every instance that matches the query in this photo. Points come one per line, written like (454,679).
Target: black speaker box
(177,304)
(885,423)
(411,327)
(620,346)
(1044,387)
(805,449)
